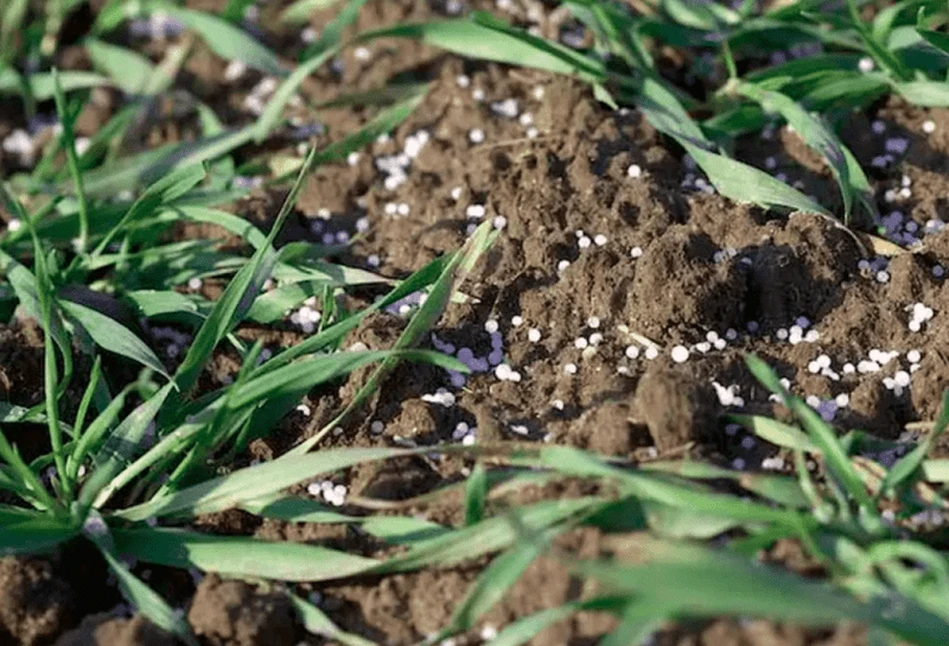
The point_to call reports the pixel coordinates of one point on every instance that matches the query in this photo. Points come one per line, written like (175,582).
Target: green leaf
(129,70)
(936,39)
(524,629)
(129,173)
(476,493)
(234,10)
(24,283)
(929,94)
(148,602)
(228,221)
(250,483)
(853,184)
(492,534)
(93,435)
(152,303)
(746,184)
(495,581)
(42,87)
(656,488)
(273,111)
(68,143)
(224,39)
(427,315)
(486,38)
(317,623)
(11,22)
(335,333)
(34,534)
(332,33)
(395,530)
(170,187)
(776,432)
(820,433)
(689,581)
(239,556)
(300,11)
(120,447)
(908,465)
(237,299)
(300,283)
(665,112)
(111,335)
(299,377)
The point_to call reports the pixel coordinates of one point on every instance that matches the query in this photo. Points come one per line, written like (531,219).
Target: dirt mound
(35,605)
(105,630)
(233,613)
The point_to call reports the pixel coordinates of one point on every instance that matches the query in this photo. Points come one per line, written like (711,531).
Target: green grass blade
(68,140)
(909,464)
(653,487)
(776,432)
(746,184)
(241,292)
(491,535)
(937,39)
(854,186)
(26,288)
(335,333)
(316,622)
(92,437)
(95,377)
(250,483)
(120,447)
(170,187)
(129,70)
(11,22)
(295,509)
(666,113)
(49,313)
(111,335)
(299,12)
(427,315)
(524,629)
(332,33)
(148,602)
(274,305)
(239,556)
(227,221)
(692,581)
(128,173)
(234,10)
(820,433)
(638,621)
(301,376)
(224,39)
(476,494)
(273,111)
(42,87)
(24,478)
(484,37)
(495,581)
(152,303)
(34,534)
(927,94)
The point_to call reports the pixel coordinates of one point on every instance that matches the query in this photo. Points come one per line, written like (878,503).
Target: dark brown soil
(233,613)
(596,267)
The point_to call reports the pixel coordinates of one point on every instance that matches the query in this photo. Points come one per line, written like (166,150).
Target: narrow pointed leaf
(239,556)
(111,335)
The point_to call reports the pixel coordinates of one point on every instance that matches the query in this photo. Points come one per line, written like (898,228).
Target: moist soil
(588,250)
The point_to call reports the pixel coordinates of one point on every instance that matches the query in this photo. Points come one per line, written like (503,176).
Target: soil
(596,266)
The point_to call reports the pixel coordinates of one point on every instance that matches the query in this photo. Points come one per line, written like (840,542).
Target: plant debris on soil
(609,336)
